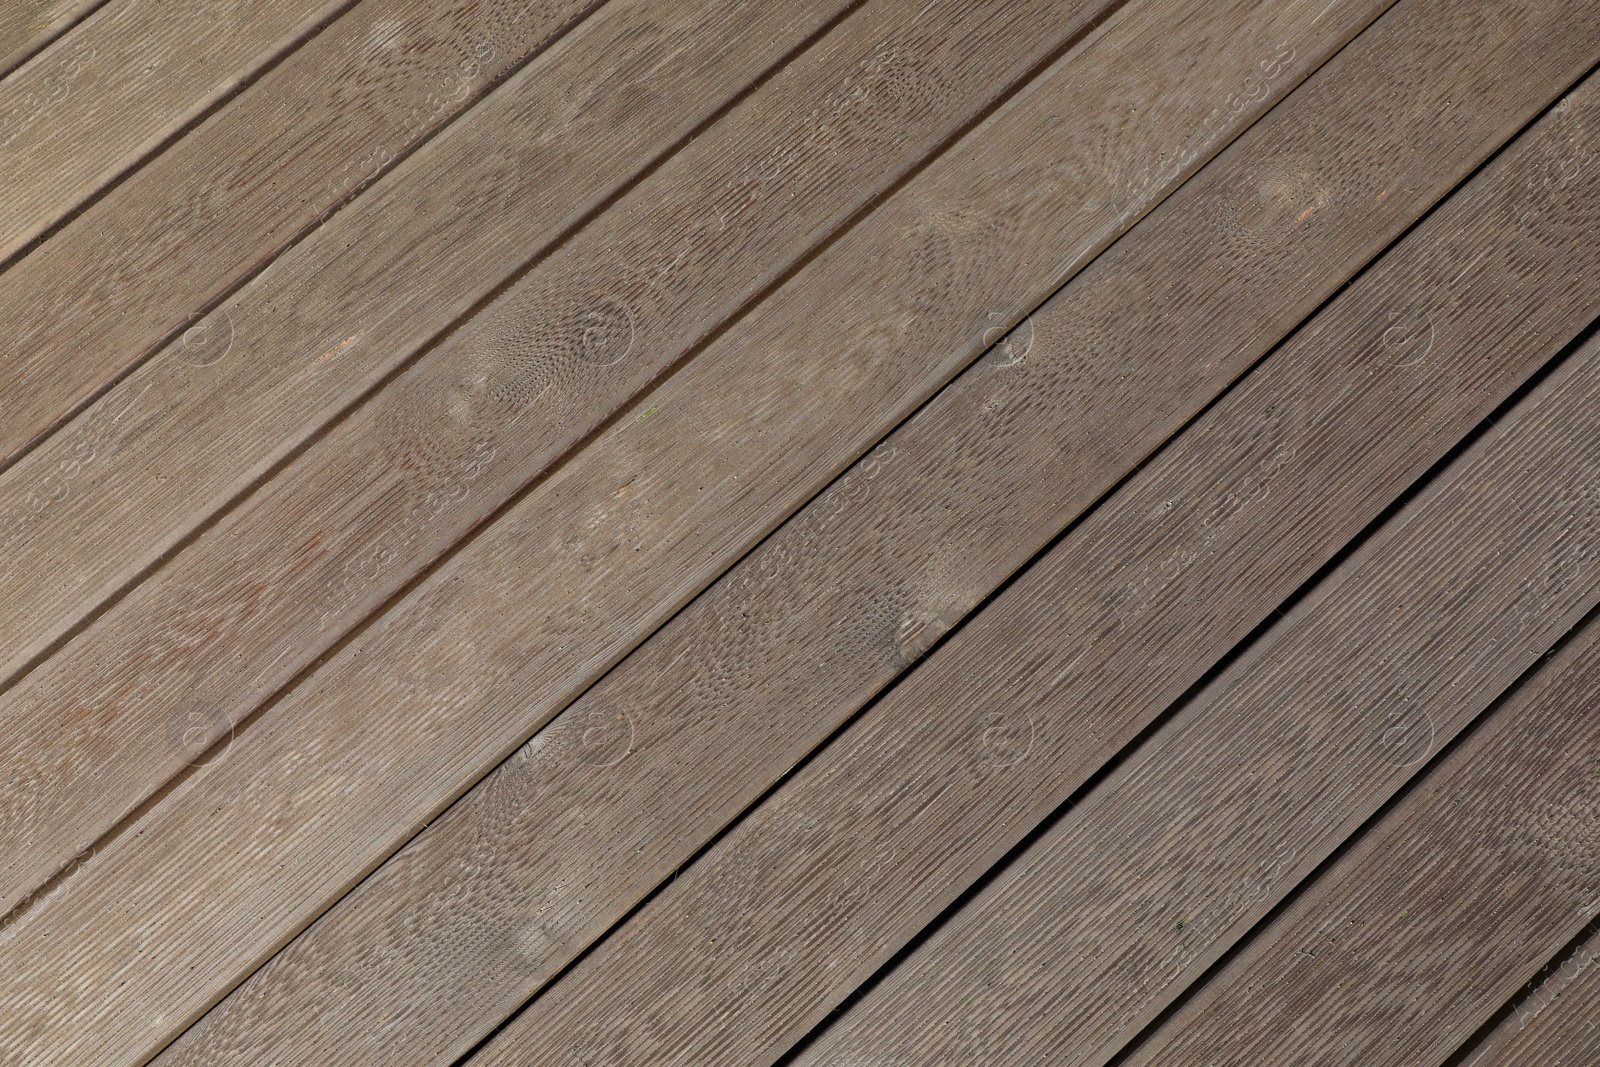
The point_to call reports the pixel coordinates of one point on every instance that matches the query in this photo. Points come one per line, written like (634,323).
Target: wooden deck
(834,533)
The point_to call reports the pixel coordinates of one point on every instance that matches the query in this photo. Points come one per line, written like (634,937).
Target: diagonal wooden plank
(1092,932)
(133,74)
(438,944)
(783,917)
(1554,1021)
(343,529)
(105,499)
(396,749)
(29,26)
(1461,893)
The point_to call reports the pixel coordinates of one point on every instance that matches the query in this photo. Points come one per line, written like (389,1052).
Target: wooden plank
(1457,897)
(1117,909)
(343,529)
(94,103)
(450,936)
(28,26)
(120,487)
(731,444)
(760,940)
(255,178)
(1555,1022)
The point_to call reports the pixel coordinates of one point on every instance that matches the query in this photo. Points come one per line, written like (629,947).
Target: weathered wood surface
(390,490)
(1092,932)
(1555,1021)
(944,510)
(1416,937)
(105,499)
(143,263)
(29,26)
(743,952)
(396,724)
(122,483)
(128,77)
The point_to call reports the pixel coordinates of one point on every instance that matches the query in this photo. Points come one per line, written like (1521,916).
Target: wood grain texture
(1555,1021)
(1418,935)
(483,906)
(354,761)
(429,459)
(1117,909)
(743,952)
(105,95)
(103,500)
(144,262)
(28,26)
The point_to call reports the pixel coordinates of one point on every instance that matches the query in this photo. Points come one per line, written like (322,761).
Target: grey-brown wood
(763,936)
(1418,935)
(109,92)
(241,854)
(1555,1021)
(142,264)
(105,499)
(457,929)
(429,459)
(1093,931)
(29,26)
(122,483)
